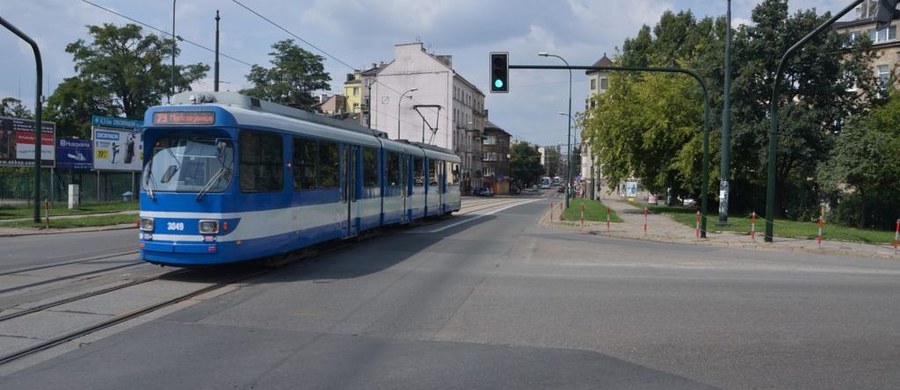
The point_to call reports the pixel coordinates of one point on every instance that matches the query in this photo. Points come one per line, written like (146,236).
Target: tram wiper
(150,182)
(219,174)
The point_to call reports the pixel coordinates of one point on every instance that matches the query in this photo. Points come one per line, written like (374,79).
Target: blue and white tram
(229,178)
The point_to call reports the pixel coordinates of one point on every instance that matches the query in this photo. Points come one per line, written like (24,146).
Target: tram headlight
(209,227)
(146,224)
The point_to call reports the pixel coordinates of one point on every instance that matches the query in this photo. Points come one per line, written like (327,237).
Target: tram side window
(418,172)
(393,169)
(328,165)
(453,175)
(261,162)
(370,167)
(432,173)
(306,152)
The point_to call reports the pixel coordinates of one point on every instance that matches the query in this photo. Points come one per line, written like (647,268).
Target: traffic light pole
(705,184)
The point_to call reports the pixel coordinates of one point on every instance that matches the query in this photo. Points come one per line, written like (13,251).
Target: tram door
(404,186)
(350,162)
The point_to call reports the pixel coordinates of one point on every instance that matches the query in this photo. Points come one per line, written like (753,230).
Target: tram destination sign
(184,117)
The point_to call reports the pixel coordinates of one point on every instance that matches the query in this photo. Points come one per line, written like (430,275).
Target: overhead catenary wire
(166,33)
(292,34)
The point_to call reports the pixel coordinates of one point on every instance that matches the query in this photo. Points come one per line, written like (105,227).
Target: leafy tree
(120,73)
(525,163)
(295,75)
(650,125)
(12,107)
(816,95)
(862,167)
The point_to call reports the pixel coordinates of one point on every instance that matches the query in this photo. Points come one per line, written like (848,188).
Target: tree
(816,96)
(120,73)
(650,125)
(525,163)
(12,107)
(295,75)
(862,169)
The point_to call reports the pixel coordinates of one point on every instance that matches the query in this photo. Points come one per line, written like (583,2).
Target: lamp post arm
(773,132)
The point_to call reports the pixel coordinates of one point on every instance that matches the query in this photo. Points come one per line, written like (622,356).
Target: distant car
(482,191)
(561,188)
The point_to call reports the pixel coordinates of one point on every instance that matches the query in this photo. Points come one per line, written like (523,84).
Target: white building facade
(419,97)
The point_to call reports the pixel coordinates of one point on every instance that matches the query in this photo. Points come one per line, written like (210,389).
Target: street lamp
(569,136)
(576,169)
(398,107)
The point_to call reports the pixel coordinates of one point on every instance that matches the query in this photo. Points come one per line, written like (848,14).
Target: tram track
(263,267)
(124,317)
(86,295)
(65,277)
(69,262)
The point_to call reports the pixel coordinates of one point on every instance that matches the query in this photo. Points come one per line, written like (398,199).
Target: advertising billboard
(117,150)
(74,153)
(17,142)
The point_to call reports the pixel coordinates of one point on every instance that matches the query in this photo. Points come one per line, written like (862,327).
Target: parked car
(561,189)
(482,191)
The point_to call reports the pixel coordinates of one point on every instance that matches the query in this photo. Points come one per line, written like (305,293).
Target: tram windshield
(189,164)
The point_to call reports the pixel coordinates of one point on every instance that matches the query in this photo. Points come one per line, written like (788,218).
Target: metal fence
(17,185)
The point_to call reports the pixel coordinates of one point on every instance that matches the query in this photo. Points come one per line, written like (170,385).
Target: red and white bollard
(819,236)
(582,214)
(697,229)
(607,220)
(551,212)
(753,226)
(645,221)
(561,211)
(47,211)
(896,236)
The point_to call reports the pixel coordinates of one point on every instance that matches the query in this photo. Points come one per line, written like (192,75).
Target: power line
(165,32)
(292,34)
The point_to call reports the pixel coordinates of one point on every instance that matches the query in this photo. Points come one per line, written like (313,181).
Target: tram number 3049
(179,226)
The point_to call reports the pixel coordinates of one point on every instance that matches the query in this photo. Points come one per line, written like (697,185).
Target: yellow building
(353,91)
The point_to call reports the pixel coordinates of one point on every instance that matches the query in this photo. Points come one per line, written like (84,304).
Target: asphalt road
(42,249)
(502,302)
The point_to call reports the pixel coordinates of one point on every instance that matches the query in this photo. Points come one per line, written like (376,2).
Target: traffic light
(500,72)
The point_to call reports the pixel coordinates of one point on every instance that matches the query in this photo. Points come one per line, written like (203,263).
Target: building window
(593,84)
(355,91)
(886,34)
(490,140)
(604,84)
(883,75)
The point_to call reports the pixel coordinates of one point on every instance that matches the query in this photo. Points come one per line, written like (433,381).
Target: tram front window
(182,164)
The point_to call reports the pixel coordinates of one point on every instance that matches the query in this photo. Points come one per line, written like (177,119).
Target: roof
(605,61)
(491,125)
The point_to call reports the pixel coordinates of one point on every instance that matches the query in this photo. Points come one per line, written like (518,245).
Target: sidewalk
(663,228)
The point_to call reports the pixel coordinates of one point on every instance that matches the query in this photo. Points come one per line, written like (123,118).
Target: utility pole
(216,82)
(726,125)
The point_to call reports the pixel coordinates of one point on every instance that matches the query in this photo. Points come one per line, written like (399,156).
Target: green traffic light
(498,84)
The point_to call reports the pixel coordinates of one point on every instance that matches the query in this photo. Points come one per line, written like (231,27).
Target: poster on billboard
(17,143)
(117,150)
(74,153)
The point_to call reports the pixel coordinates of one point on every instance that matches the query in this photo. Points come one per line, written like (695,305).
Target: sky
(353,34)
